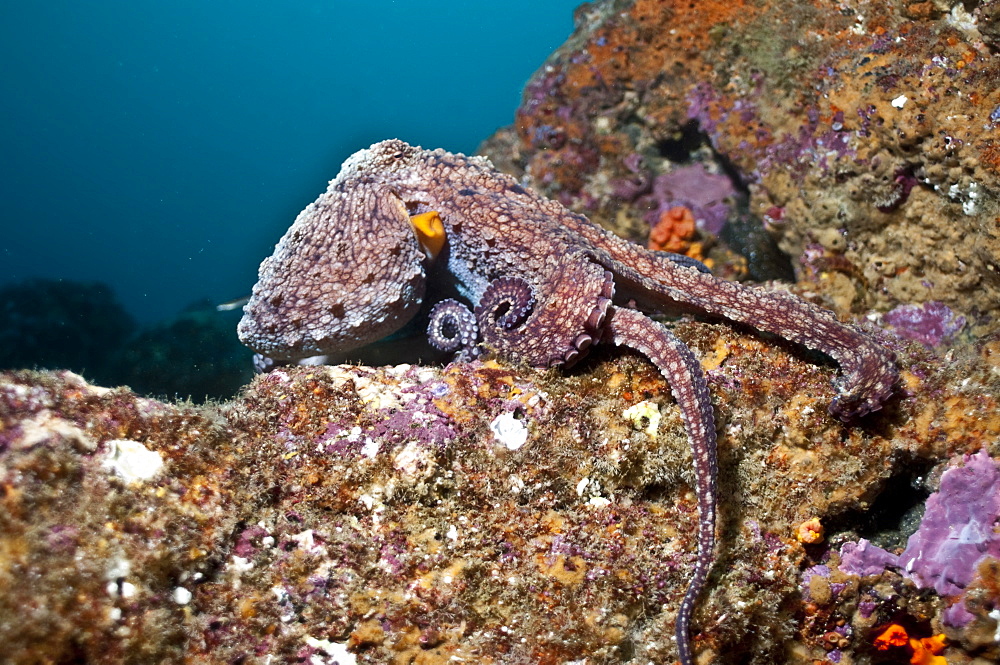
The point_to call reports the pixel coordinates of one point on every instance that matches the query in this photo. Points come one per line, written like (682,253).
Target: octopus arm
(554,321)
(868,369)
(679,366)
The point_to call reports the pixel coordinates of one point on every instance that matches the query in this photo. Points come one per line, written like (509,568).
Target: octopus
(521,276)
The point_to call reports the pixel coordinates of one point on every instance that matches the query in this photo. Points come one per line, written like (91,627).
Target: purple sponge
(862,558)
(959,528)
(930,323)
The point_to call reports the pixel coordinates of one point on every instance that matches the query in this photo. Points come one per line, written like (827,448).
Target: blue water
(163,147)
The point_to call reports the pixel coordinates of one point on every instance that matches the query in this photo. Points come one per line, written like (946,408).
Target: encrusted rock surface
(862,136)
(483,513)
(476,512)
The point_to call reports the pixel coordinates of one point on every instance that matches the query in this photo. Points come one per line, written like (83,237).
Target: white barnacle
(132,461)
(995,615)
(644,416)
(182,596)
(509,431)
(337,652)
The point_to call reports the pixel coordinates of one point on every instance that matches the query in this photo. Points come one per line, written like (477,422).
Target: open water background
(164,147)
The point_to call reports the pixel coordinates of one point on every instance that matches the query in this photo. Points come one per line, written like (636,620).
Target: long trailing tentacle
(452,328)
(690,390)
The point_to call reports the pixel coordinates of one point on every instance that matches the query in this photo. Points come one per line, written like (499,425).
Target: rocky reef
(48,323)
(487,513)
(862,137)
(481,513)
(193,355)
(81,326)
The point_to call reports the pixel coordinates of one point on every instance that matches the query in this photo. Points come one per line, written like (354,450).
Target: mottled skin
(545,283)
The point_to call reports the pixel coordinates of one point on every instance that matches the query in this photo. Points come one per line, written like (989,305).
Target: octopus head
(348,272)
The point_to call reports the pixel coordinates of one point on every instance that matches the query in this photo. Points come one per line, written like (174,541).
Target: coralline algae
(931,323)
(959,528)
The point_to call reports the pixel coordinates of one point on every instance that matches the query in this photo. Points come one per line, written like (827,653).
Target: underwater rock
(875,123)
(61,324)
(193,355)
(955,552)
(112,510)
(81,327)
(493,514)
(956,544)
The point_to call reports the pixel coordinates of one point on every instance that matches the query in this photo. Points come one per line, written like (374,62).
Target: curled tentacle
(513,323)
(506,304)
(690,390)
(452,328)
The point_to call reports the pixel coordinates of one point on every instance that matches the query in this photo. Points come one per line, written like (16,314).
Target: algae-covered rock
(477,511)
(864,136)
